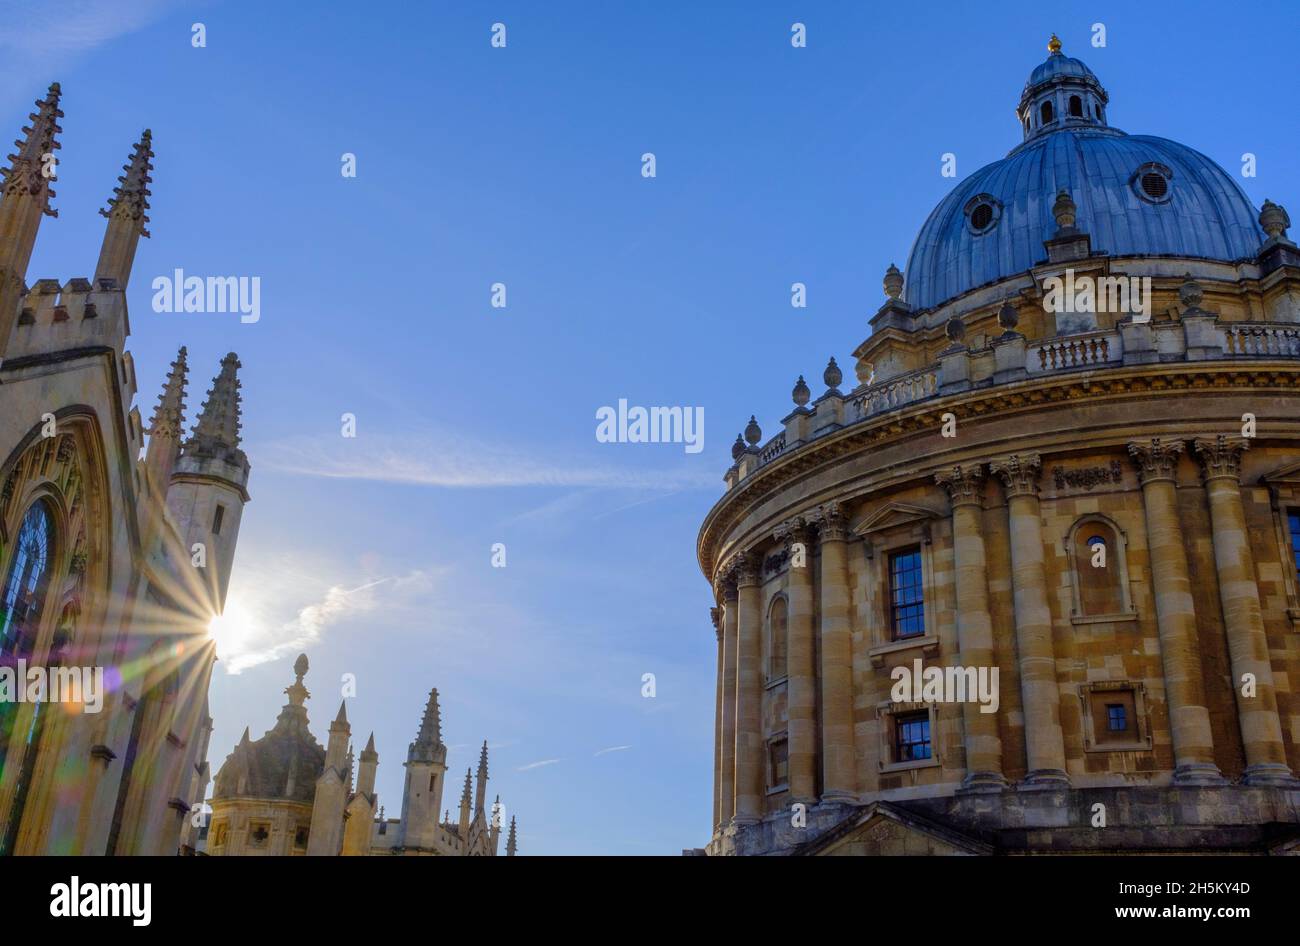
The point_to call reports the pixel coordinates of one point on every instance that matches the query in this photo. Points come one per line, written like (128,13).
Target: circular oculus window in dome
(982,213)
(1153,183)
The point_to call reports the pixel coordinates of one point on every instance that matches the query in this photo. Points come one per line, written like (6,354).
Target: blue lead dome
(1137,195)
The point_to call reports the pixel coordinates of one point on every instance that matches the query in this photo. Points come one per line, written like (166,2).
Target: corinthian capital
(715,615)
(1155,459)
(724,583)
(831,522)
(1221,456)
(963,483)
(1019,473)
(793,530)
(744,568)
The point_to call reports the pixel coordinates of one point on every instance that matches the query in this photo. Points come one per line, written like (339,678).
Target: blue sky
(477,425)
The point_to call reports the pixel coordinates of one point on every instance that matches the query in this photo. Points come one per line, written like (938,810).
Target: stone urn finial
(753,433)
(1189,293)
(738,448)
(893,282)
(1008,317)
(1273,218)
(832,375)
(955,330)
(1064,210)
(801,393)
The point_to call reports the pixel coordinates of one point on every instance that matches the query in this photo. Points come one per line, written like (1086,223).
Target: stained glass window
(24,591)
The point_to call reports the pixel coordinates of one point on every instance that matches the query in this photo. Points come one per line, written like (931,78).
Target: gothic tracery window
(25,588)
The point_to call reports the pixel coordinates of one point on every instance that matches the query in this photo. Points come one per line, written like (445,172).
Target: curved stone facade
(1075,532)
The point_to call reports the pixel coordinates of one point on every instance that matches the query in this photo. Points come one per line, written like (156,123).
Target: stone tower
(426,770)
(209,485)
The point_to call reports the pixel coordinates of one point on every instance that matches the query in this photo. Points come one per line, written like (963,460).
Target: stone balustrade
(1199,336)
(1075,351)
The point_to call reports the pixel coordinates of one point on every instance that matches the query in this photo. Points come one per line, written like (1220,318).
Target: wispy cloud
(454,462)
(249,633)
(38,37)
(611,749)
(536,765)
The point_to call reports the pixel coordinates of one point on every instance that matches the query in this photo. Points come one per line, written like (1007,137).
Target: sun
(230,629)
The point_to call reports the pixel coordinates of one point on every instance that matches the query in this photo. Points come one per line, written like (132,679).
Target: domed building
(1031,585)
(286,795)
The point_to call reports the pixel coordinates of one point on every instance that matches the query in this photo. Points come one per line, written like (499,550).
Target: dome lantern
(1062,92)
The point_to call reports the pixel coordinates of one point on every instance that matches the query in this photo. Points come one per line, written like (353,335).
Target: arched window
(1099,569)
(1076,106)
(777,622)
(1046,112)
(23,599)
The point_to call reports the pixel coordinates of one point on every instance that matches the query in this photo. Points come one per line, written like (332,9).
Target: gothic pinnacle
(482,761)
(32,166)
(464,795)
(130,200)
(169,415)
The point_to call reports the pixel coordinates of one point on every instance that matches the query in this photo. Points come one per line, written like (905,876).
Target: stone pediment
(882,829)
(1290,473)
(894,514)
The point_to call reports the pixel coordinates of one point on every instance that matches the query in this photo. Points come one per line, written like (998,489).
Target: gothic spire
(512,844)
(169,416)
(482,761)
(217,430)
(31,167)
(127,215)
(431,723)
(428,746)
(464,795)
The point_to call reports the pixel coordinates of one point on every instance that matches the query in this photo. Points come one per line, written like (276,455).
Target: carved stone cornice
(1155,459)
(1221,456)
(1019,473)
(963,483)
(923,418)
(831,521)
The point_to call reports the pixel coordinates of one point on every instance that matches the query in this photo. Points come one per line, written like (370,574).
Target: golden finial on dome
(1054,45)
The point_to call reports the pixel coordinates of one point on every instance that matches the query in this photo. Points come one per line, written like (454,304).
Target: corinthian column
(749,691)
(716,615)
(974,626)
(727,751)
(1261,729)
(801,692)
(839,772)
(1044,741)
(1189,719)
